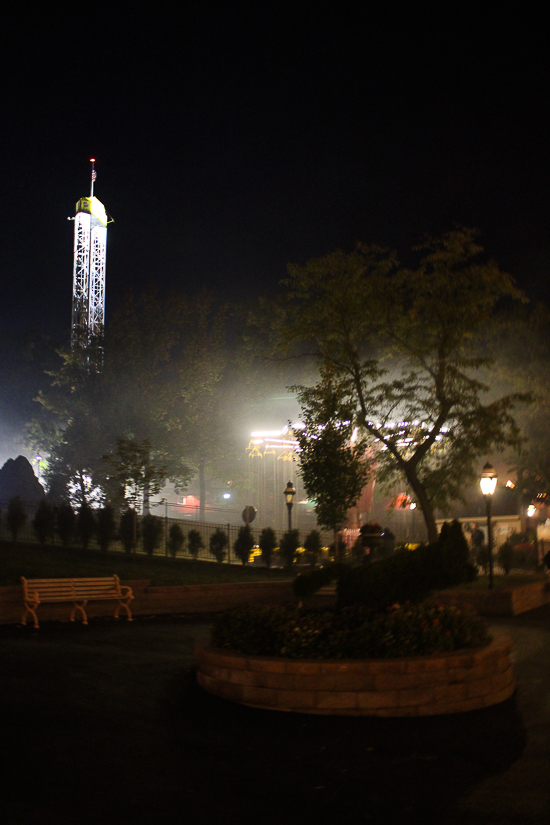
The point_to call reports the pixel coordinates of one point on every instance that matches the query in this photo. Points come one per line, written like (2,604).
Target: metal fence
(28,534)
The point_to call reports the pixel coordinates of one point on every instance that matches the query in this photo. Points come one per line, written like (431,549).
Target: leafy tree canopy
(400,348)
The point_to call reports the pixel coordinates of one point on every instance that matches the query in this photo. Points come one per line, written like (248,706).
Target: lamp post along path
(289,493)
(488,483)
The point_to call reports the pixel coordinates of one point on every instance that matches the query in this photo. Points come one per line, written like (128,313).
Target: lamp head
(488,480)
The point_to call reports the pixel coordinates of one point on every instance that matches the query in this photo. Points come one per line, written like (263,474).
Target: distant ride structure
(90,249)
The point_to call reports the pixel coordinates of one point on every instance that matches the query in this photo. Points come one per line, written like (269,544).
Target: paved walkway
(105,724)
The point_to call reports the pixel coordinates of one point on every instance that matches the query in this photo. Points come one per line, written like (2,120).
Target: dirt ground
(105,724)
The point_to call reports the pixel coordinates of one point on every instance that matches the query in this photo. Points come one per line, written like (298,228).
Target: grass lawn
(31,561)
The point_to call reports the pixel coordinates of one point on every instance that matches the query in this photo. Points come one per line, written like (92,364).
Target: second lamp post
(488,483)
(289,493)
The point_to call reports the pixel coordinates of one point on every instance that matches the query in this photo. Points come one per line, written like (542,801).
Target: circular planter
(412,686)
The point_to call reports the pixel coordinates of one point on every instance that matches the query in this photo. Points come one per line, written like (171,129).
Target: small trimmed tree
(288,546)
(105,526)
(65,523)
(85,525)
(16,517)
(128,530)
(312,546)
(176,540)
(244,544)
(151,533)
(43,523)
(268,544)
(195,543)
(218,545)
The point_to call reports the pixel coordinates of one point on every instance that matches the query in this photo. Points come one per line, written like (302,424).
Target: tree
(218,544)
(85,525)
(151,532)
(267,544)
(176,540)
(333,469)
(128,530)
(312,546)
(105,526)
(65,523)
(195,543)
(244,543)
(400,348)
(288,546)
(43,522)
(16,517)
(134,471)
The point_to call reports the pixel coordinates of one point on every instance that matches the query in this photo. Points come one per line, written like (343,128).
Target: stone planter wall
(510,602)
(413,686)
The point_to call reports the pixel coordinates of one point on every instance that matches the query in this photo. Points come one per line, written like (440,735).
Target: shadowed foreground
(105,724)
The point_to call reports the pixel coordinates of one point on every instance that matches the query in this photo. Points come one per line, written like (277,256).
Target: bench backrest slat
(78,588)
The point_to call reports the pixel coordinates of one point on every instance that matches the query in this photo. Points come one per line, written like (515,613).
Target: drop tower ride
(90,247)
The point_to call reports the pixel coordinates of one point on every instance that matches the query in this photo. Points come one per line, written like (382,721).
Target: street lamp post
(488,483)
(289,493)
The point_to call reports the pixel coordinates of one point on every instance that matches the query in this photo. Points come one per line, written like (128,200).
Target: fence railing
(27,533)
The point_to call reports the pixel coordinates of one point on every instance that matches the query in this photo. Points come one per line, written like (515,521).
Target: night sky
(230,141)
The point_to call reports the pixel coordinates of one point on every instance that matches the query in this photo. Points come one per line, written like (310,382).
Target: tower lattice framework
(90,248)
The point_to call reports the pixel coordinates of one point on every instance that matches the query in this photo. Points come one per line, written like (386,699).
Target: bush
(85,525)
(408,576)
(218,545)
(195,543)
(306,584)
(267,544)
(288,546)
(176,540)
(128,530)
(105,526)
(65,523)
(43,523)
(16,517)
(312,546)
(505,557)
(244,544)
(352,633)
(151,533)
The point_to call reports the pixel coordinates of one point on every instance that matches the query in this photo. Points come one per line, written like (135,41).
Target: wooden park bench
(76,591)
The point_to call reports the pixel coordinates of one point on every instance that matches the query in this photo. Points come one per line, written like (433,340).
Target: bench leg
(126,608)
(33,614)
(82,611)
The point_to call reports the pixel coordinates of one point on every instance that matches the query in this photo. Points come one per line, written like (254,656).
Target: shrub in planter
(65,523)
(43,523)
(151,533)
(267,544)
(218,545)
(244,544)
(176,540)
(195,543)
(105,527)
(352,633)
(338,550)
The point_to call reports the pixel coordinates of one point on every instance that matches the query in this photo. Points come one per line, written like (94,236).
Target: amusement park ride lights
(90,247)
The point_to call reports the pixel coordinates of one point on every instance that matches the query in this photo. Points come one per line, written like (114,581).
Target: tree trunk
(424,504)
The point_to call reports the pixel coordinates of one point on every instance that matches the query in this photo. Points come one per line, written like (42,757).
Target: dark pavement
(105,724)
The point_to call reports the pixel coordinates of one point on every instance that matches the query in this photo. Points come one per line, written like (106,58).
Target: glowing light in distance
(227,495)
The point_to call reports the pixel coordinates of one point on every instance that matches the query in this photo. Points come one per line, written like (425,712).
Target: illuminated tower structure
(90,247)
